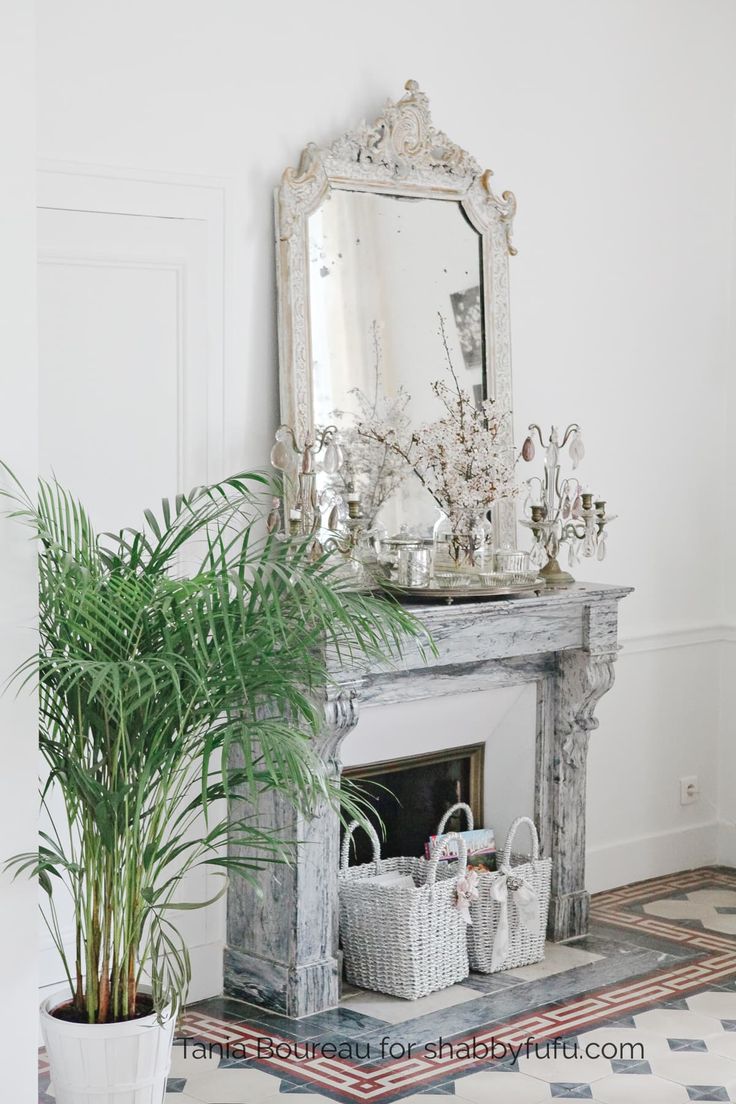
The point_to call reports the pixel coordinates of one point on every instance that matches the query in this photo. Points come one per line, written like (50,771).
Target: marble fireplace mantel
(282,946)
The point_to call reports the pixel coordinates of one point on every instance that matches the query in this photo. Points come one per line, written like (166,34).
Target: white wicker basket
(406,942)
(497,916)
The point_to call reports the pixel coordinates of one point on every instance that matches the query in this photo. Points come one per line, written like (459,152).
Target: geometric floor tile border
(383,1081)
(710,962)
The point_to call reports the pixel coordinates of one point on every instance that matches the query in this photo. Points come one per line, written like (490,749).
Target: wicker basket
(406,942)
(498,916)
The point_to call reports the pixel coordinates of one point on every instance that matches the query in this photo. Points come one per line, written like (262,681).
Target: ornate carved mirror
(392,265)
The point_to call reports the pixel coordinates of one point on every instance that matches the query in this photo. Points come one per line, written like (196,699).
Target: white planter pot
(120,1063)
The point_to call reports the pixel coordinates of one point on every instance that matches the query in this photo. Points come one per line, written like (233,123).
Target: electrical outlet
(689,789)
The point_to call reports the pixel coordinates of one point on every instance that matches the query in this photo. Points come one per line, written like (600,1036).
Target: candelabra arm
(288,429)
(325,435)
(335,544)
(534,426)
(572,428)
(533,480)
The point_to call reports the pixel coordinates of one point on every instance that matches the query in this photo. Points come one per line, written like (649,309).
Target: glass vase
(465,548)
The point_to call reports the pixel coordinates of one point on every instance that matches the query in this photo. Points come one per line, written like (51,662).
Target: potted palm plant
(176,667)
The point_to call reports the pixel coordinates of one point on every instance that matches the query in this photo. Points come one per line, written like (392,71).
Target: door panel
(123,358)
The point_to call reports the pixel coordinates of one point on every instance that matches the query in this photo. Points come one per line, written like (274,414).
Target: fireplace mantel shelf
(467,633)
(282,946)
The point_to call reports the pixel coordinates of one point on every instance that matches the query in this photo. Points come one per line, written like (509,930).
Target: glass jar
(510,559)
(390,548)
(415,565)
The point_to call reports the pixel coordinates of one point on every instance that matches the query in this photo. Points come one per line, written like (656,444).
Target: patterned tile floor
(653,987)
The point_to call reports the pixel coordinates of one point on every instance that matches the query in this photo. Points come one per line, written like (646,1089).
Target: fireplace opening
(411,795)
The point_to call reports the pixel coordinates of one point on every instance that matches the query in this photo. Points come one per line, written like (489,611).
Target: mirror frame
(403,154)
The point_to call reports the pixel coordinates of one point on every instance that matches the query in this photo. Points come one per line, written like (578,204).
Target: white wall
(613,123)
(727,725)
(18,418)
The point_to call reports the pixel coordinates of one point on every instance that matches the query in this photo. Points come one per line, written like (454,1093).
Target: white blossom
(459,457)
(372,468)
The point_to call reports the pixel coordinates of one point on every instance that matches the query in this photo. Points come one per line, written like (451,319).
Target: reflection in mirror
(381,270)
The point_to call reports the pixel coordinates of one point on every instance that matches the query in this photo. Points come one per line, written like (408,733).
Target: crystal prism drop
(281,456)
(527,449)
(331,459)
(577,449)
(537,555)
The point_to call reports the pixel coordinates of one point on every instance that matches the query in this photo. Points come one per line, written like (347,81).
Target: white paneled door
(123,358)
(130,301)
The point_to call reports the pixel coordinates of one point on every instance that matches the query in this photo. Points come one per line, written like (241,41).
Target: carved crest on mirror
(402,154)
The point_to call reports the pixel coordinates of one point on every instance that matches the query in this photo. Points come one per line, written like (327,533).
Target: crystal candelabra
(303,506)
(560,509)
(299,464)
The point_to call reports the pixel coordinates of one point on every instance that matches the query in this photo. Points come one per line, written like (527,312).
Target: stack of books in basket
(481,845)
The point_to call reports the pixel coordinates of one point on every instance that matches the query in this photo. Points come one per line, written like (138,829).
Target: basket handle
(461,806)
(372,836)
(510,839)
(439,849)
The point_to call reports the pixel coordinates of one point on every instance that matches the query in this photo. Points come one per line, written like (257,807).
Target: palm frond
(169,695)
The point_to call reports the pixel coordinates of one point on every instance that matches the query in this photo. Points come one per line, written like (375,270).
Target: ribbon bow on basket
(510,885)
(527,909)
(467,892)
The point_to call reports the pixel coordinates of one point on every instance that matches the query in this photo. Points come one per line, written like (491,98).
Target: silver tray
(464,594)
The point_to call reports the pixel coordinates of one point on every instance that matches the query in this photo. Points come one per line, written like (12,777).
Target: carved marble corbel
(342,710)
(586,677)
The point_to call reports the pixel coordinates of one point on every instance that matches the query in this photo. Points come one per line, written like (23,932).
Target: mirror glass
(383,271)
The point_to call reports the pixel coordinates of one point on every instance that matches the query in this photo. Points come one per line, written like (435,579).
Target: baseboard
(634,860)
(206,971)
